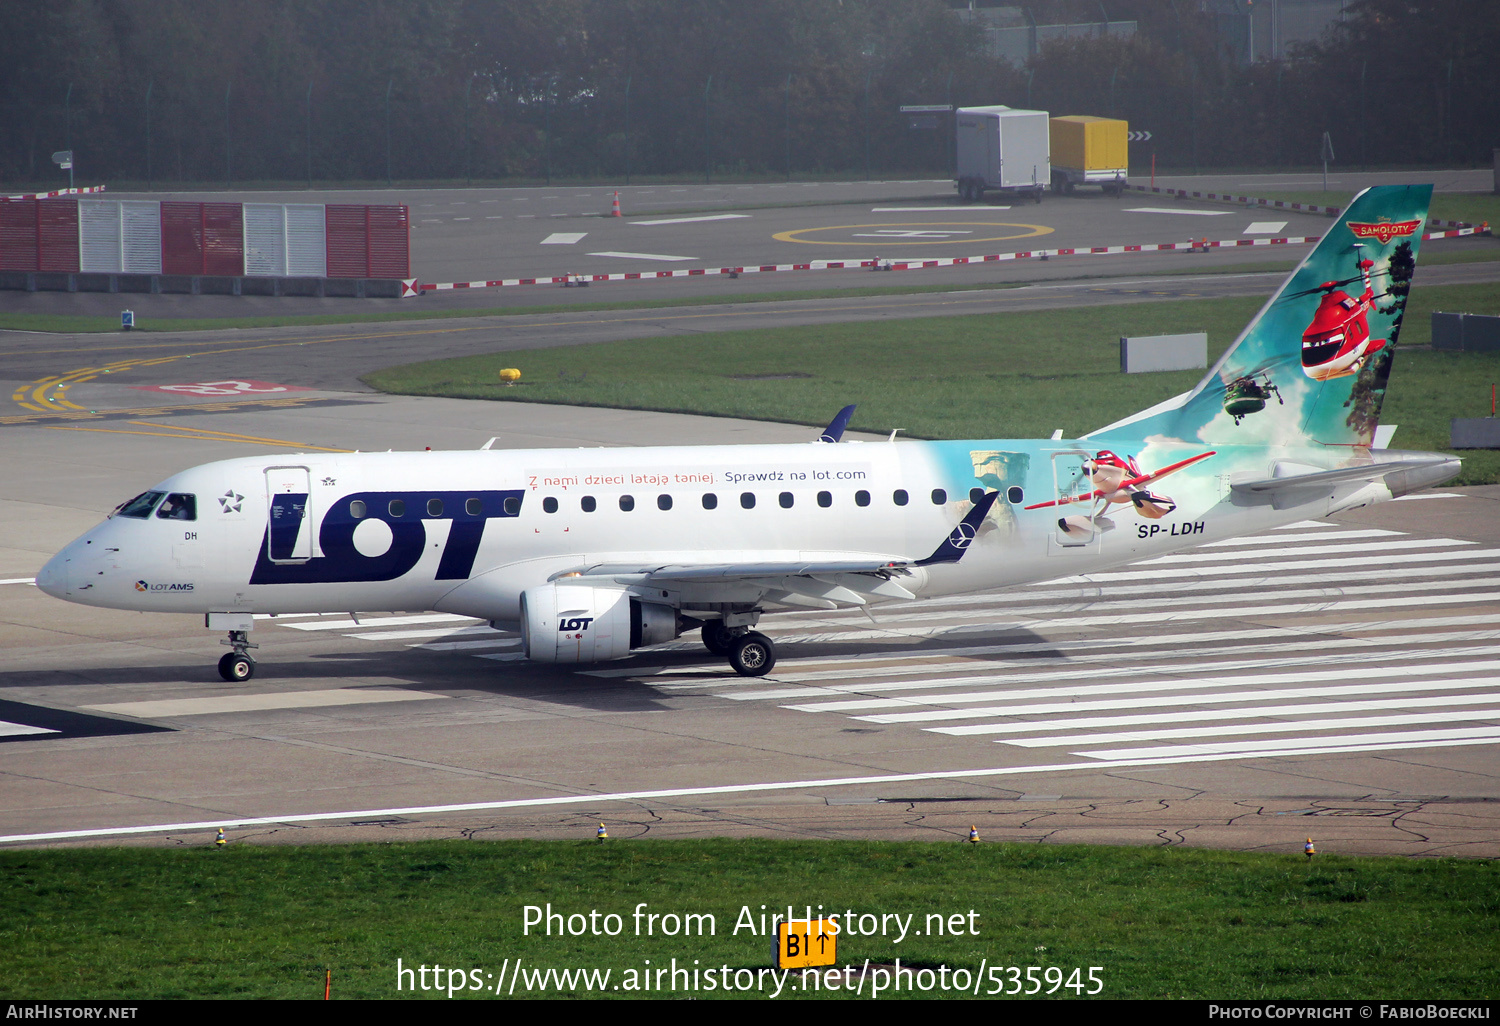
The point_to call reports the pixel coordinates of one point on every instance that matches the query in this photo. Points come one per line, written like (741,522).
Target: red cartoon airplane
(1117,480)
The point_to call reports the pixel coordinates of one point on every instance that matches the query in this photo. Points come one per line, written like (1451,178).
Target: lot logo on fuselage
(406,514)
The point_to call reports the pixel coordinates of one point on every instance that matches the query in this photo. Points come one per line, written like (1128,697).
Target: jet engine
(584,623)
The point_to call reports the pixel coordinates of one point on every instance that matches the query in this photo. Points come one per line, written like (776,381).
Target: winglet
(953,547)
(835,429)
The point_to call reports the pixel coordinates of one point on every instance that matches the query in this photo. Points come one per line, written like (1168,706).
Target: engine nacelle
(585,623)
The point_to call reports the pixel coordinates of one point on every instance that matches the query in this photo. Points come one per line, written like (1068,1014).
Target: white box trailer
(1004,149)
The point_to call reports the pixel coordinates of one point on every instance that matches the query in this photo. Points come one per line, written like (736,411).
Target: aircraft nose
(53,578)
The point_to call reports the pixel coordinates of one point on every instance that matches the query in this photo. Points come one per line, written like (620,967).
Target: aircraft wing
(811,580)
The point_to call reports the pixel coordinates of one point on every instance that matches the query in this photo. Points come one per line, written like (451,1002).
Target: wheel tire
(716,638)
(236,668)
(753,655)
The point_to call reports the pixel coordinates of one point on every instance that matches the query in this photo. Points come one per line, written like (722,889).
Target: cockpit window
(178,507)
(141,506)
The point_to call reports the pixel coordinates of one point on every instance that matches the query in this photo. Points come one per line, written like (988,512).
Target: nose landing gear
(237,666)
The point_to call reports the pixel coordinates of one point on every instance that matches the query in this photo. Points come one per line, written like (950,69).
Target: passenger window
(587,504)
(663,502)
(785,498)
(861,498)
(710,500)
(549,504)
(899,496)
(512,506)
(825,499)
(1014,495)
(939,496)
(397,508)
(140,507)
(747,500)
(178,507)
(434,507)
(473,507)
(627,503)
(357,509)
(975,494)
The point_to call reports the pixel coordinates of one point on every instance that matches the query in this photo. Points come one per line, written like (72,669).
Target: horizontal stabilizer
(1414,474)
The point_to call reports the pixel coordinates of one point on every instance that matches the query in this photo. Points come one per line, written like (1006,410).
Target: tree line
(459,90)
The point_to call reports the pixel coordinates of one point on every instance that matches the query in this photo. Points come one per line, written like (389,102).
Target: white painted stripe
(1305,523)
(1247,713)
(1308,745)
(1060,708)
(1250,566)
(1322,536)
(1264,228)
(257,703)
(1289,609)
(1172,210)
(1247,729)
(1172,682)
(689,220)
(21,729)
(643,256)
(379,621)
(684,792)
(1306,550)
(19,580)
(563,238)
(1103,596)
(902,210)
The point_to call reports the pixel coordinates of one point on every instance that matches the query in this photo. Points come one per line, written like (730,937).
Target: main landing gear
(237,666)
(751,653)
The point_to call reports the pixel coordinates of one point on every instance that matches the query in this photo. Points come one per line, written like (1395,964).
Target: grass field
(1018,375)
(267,922)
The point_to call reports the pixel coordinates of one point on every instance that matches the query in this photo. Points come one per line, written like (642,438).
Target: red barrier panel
(18,235)
(202,238)
(39,235)
(368,241)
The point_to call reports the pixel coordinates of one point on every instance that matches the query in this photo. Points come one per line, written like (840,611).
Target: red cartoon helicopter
(1337,342)
(1117,480)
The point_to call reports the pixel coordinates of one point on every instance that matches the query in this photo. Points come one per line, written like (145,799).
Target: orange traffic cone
(615,209)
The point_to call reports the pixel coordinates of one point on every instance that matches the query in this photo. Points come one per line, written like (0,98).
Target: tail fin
(1311,368)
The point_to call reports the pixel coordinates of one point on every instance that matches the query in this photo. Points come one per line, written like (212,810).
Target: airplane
(592,554)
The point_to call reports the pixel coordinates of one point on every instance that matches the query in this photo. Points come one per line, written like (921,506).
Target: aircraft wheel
(717,638)
(753,655)
(236,668)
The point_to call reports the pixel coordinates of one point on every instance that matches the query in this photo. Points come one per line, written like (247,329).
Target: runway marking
(172,431)
(688,220)
(257,703)
(1055,708)
(562,238)
(1172,210)
(1028,231)
(1092,765)
(1264,228)
(22,729)
(1309,745)
(642,256)
(1241,730)
(921,210)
